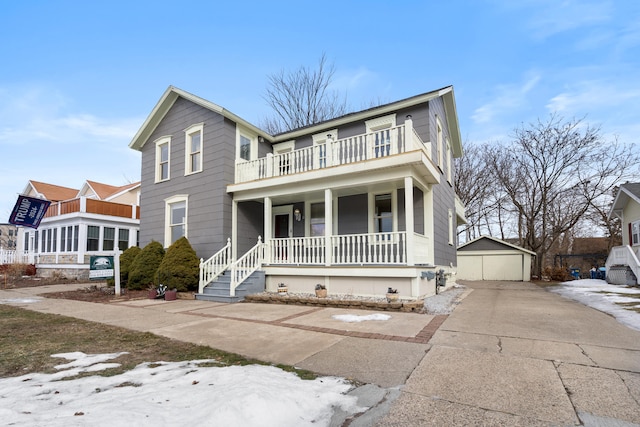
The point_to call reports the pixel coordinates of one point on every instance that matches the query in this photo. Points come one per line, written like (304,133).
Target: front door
(282,229)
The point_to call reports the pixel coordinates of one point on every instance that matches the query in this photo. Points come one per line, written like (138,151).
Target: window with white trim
(439,139)
(176,209)
(320,147)
(108,238)
(451,226)
(123,239)
(163,157)
(635,233)
(448,161)
(316,221)
(380,136)
(93,238)
(246,144)
(383,214)
(193,149)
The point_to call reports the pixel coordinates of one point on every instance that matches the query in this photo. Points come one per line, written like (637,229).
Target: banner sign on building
(100,267)
(28,211)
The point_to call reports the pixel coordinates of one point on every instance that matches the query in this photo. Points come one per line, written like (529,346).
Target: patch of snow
(604,297)
(173,393)
(360,318)
(20,300)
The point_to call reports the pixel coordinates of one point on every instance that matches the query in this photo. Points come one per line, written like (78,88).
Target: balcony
(386,148)
(93,206)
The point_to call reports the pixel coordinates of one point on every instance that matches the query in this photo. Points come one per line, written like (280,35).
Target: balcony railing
(359,148)
(85,205)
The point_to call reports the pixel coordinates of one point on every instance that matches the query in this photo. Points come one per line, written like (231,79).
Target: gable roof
(507,245)
(106,191)
(626,192)
(51,192)
(172,93)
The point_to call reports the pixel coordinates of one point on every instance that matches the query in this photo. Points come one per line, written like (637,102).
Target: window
(383,214)
(108,238)
(380,135)
(63,239)
(317,219)
(320,147)
(193,149)
(451,226)
(75,237)
(448,160)
(439,142)
(26,241)
(175,219)
(245,148)
(123,239)
(163,158)
(35,242)
(283,151)
(635,233)
(93,238)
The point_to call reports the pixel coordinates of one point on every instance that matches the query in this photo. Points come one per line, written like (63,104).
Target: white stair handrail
(246,265)
(624,255)
(214,266)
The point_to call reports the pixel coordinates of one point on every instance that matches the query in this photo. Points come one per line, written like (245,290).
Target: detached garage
(488,258)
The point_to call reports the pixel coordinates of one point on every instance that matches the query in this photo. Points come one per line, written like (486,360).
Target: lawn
(29,338)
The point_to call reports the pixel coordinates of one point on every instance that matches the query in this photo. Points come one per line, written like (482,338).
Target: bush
(126,262)
(180,267)
(557,274)
(17,270)
(143,269)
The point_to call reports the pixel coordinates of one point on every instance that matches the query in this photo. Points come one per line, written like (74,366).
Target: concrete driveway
(513,354)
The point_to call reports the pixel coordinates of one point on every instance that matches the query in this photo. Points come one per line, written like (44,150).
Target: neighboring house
(359,203)
(8,236)
(96,218)
(488,258)
(623,267)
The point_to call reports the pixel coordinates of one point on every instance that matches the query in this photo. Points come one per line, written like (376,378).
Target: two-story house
(359,203)
(623,265)
(94,219)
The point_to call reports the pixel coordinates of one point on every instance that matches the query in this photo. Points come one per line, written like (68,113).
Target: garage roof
(488,243)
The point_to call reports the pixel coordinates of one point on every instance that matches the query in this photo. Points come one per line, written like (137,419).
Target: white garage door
(502,267)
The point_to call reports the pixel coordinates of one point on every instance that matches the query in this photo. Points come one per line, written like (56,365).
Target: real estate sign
(28,211)
(100,267)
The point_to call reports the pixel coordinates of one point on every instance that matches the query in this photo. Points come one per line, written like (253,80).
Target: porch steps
(218,290)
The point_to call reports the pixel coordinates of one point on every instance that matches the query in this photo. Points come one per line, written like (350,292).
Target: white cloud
(508,98)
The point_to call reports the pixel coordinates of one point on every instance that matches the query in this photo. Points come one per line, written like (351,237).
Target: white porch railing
(347,249)
(16,257)
(297,250)
(624,255)
(246,265)
(214,266)
(343,151)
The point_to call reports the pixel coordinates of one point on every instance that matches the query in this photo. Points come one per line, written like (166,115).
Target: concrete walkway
(510,353)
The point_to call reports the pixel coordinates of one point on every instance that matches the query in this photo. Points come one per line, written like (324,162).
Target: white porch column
(408,215)
(328,226)
(268,227)
(234,230)
(82,241)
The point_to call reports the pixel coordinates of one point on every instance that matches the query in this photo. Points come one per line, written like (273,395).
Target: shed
(488,258)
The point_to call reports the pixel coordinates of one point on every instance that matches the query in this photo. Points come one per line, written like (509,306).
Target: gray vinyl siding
(352,214)
(444,193)
(209,206)
(250,225)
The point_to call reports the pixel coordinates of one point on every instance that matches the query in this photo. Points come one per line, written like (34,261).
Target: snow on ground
(167,394)
(613,299)
(356,318)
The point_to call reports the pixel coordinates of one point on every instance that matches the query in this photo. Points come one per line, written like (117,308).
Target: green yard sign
(101,267)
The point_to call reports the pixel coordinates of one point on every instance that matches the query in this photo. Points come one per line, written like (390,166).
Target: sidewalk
(514,354)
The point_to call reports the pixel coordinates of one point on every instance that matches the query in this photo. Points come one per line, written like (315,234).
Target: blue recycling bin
(575,273)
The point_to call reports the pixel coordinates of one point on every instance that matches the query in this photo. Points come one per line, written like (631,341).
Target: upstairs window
(448,160)
(245,148)
(193,149)
(439,139)
(381,136)
(163,146)
(320,147)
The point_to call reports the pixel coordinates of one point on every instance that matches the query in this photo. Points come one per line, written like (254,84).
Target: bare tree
(552,173)
(302,98)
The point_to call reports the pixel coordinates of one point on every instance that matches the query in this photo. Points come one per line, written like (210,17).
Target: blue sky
(78,78)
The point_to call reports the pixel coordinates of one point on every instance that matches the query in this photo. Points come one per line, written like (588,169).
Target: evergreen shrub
(180,267)
(143,269)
